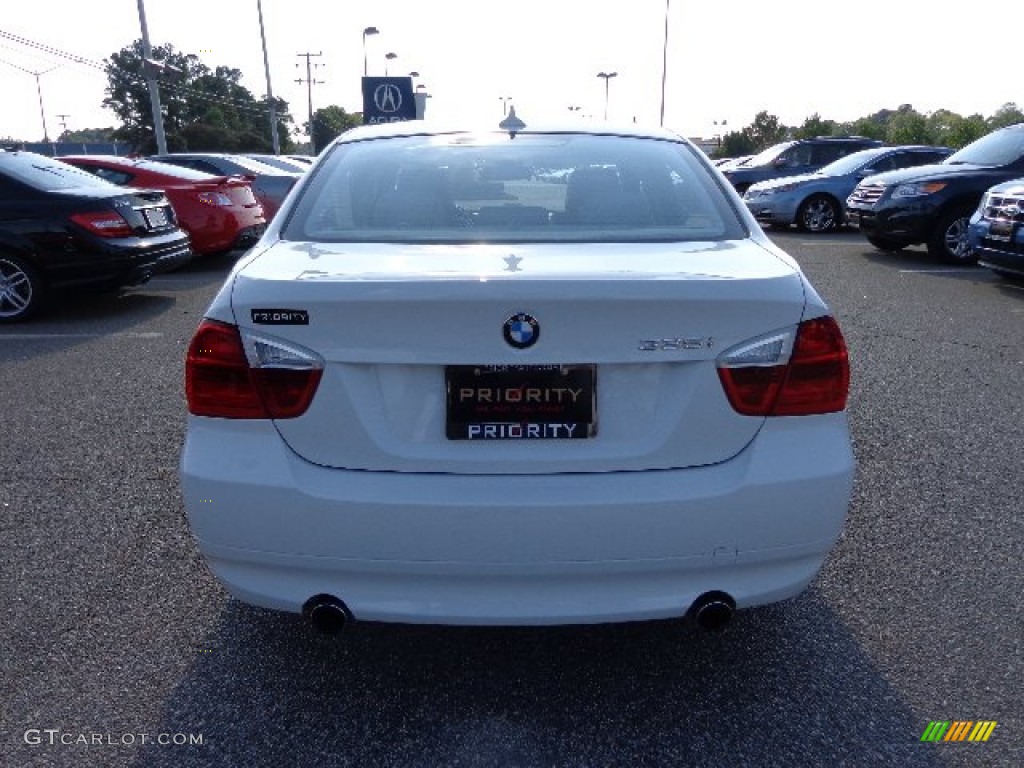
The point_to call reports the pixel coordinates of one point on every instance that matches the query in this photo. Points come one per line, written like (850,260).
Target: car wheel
(882,244)
(948,240)
(818,213)
(21,289)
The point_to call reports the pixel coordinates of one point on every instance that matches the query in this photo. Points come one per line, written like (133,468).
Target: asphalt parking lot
(116,638)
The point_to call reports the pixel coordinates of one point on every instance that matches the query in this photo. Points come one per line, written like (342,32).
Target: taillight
(242,375)
(799,372)
(103,223)
(213,198)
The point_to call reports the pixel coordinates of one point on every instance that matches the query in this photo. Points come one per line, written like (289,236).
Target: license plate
(1000,230)
(156,218)
(520,402)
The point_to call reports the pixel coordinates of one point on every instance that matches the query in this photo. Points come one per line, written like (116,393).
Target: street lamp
(504,103)
(607,76)
(719,131)
(367,31)
(388,57)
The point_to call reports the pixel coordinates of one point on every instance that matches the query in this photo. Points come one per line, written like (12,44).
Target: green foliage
(814,126)
(948,129)
(735,144)
(88,136)
(203,109)
(904,125)
(1008,114)
(330,122)
(908,127)
(765,131)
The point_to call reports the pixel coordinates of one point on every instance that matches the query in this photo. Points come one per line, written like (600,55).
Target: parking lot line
(125,335)
(951,270)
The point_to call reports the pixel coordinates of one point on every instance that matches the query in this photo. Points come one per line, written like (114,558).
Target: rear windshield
(177,171)
(469,188)
(46,174)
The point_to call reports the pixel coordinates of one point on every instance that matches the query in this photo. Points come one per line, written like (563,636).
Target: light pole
(39,90)
(367,31)
(719,130)
(607,76)
(274,138)
(154,90)
(388,57)
(504,103)
(664,65)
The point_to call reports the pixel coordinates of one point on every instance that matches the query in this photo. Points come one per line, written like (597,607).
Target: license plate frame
(1002,231)
(520,402)
(156,218)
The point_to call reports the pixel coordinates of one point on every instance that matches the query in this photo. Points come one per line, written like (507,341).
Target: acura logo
(521,330)
(387,98)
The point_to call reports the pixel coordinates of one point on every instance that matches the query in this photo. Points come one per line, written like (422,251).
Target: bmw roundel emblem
(521,330)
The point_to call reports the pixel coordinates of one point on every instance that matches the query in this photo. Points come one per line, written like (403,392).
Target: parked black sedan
(63,228)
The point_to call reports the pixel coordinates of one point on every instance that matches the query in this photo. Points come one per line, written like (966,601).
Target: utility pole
(154,90)
(39,91)
(310,82)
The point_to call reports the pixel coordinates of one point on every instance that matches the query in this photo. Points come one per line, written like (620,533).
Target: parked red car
(220,213)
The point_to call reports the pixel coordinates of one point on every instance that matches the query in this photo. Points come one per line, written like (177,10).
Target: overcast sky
(726,60)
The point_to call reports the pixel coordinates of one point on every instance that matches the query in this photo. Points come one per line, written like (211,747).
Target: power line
(50,50)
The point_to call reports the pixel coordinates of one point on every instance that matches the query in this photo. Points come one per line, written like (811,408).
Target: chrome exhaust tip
(327,614)
(713,611)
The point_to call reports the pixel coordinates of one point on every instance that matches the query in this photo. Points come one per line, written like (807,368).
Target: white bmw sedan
(516,378)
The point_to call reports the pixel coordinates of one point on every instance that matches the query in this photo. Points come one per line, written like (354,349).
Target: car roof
(426,128)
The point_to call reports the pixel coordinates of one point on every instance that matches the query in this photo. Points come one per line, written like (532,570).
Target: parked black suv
(932,204)
(62,228)
(792,157)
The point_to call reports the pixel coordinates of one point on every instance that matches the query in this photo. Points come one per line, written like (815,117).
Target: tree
(765,131)
(735,144)
(88,136)
(203,109)
(948,129)
(908,126)
(814,126)
(1008,114)
(330,122)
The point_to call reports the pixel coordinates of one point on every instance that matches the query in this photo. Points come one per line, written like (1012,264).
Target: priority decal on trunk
(280,317)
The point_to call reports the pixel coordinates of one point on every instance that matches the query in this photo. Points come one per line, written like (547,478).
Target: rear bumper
(542,549)
(103,264)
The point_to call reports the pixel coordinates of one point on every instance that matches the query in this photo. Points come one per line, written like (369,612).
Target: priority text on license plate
(520,402)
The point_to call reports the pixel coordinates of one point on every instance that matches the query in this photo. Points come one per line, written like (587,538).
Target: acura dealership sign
(388,99)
